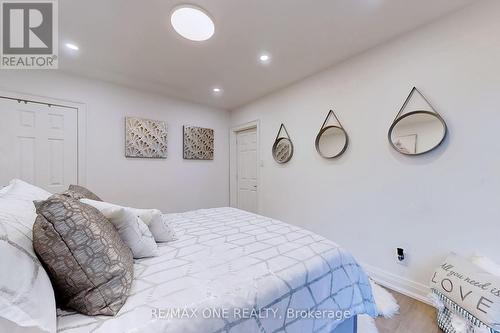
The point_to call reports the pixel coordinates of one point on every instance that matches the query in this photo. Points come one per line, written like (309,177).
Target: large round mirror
(282,150)
(417,132)
(331,141)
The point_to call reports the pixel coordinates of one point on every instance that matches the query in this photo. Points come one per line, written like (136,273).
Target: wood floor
(414,317)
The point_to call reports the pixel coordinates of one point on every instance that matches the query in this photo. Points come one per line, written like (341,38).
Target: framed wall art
(145,138)
(198,143)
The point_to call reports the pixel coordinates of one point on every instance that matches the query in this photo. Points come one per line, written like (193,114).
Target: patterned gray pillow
(78,192)
(90,267)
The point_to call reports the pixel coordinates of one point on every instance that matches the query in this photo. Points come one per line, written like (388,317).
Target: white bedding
(246,272)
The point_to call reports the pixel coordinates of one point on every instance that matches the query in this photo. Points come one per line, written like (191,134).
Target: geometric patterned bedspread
(237,272)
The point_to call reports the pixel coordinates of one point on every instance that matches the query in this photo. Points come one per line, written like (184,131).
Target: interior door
(246,142)
(38,144)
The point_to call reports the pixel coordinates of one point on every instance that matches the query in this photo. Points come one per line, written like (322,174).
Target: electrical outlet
(402,256)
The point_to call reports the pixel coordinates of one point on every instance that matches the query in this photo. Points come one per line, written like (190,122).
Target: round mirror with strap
(418,130)
(283,146)
(332,140)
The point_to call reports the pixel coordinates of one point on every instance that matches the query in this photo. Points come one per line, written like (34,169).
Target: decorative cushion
(471,288)
(90,266)
(161,228)
(156,221)
(78,192)
(130,227)
(27,300)
(452,318)
(134,232)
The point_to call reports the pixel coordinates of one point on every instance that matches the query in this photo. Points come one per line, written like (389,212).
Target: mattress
(234,271)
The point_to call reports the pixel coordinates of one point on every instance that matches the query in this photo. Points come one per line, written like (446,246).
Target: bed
(234,271)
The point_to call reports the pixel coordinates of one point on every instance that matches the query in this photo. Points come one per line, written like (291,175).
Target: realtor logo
(29,34)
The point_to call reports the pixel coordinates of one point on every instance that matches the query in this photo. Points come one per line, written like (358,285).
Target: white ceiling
(132,42)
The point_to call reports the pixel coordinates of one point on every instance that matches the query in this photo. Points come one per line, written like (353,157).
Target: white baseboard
(397,283)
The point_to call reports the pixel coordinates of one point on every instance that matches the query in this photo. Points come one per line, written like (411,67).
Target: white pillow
(132,230)
(22,191)
(158,225)
(27,301)
(486,264)
(161,228)
(4,189)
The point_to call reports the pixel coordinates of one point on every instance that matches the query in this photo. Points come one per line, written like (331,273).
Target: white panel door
(246,143)
(38,144)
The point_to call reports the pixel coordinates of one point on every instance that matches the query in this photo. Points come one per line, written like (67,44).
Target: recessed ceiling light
(72,46)
(265,58)
(217,90)
(192,23)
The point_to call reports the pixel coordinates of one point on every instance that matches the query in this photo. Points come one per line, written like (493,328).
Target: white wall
(373,199)
(172,184)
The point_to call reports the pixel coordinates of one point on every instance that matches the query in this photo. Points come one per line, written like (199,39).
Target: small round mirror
(417,132)
(282,150)
(331,141)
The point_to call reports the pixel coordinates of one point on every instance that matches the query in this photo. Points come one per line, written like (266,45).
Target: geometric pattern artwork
(227,258)
(90,266)
(198,143)
(145,138)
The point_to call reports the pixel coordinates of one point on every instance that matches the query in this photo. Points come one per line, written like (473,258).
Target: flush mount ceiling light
(72,46)
(217,90)
(264,58)
(192,23)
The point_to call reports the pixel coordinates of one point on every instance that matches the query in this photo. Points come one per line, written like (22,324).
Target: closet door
(246,142)
(38,144)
